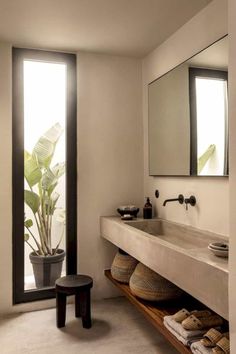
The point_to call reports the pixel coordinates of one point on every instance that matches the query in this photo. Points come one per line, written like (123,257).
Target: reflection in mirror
(208,103)
(188,122)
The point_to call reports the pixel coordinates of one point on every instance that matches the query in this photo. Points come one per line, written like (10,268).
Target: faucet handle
(157,193)
(181,199)
(191,200)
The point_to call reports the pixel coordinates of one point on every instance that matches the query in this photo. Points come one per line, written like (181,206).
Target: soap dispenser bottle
(147,209)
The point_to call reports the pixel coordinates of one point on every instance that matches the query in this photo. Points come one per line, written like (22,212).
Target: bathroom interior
(136,100)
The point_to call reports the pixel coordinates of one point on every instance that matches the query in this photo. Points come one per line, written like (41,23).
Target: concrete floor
(118,328)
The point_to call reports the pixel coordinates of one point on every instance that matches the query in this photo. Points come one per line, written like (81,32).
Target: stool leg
(77,305)
(61,309)
(85,308)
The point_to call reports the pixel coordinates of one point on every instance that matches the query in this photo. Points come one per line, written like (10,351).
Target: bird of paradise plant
(41,197)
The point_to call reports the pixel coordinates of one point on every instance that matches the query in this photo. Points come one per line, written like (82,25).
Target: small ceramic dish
(127,207)
(219,253)
(221,246)
(127,217)
(128,210)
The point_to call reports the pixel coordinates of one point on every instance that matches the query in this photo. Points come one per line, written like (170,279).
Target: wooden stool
(78,285)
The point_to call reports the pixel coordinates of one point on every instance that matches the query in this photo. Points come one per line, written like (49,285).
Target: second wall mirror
(188,116)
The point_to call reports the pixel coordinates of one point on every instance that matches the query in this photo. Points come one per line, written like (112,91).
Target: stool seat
(74,282)
(78,285)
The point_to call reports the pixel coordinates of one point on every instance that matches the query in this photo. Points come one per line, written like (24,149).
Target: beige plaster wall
(212,210)
(110,153)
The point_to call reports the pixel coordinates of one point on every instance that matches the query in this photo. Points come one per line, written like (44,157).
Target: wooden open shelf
(154,312)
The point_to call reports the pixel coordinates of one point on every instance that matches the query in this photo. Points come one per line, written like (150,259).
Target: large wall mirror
(188,116)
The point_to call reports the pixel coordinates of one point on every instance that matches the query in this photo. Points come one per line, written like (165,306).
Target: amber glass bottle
(147,209)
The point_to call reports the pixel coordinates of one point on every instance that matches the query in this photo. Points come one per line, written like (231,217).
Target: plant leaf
(28,223)
(54,198)
(32,200)
(59,169)
(202,160)
(50,203)
(32,172)
(26,237)
(48,179)
(45,147)
(51,177)
(54,133)
(51,189)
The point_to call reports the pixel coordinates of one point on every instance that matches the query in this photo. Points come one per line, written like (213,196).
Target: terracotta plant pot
(47,268)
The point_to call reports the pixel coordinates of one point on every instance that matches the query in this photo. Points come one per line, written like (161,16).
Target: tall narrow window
(44,171)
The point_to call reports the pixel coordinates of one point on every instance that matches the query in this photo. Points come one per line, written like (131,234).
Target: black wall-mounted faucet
(191,200)
(180,199)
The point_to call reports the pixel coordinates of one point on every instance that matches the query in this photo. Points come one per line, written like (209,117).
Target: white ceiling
(122,27)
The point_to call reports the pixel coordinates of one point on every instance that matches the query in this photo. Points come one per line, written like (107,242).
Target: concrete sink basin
(177,252)
(176,234)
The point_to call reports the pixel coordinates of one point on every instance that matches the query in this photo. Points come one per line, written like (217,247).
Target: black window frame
(195,72)
(18,56)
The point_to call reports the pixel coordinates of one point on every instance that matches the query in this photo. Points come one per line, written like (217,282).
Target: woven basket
(122,267)
(148,285)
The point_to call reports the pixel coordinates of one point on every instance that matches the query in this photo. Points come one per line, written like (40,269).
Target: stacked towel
(198,348)
(186,337)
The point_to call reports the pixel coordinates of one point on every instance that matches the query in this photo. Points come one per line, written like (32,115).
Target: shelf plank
(155,313)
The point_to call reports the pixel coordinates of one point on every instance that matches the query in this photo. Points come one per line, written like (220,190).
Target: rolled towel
(178,328)
(186,341)
(198,348)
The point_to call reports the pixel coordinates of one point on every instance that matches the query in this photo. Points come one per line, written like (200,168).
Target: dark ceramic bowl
(133,211)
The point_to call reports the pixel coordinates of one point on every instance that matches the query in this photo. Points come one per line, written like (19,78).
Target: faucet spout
(180,199)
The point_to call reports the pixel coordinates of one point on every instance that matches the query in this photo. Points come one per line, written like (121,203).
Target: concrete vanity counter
(177,252)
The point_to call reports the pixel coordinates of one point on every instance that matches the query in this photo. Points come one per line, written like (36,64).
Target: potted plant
(41,197)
